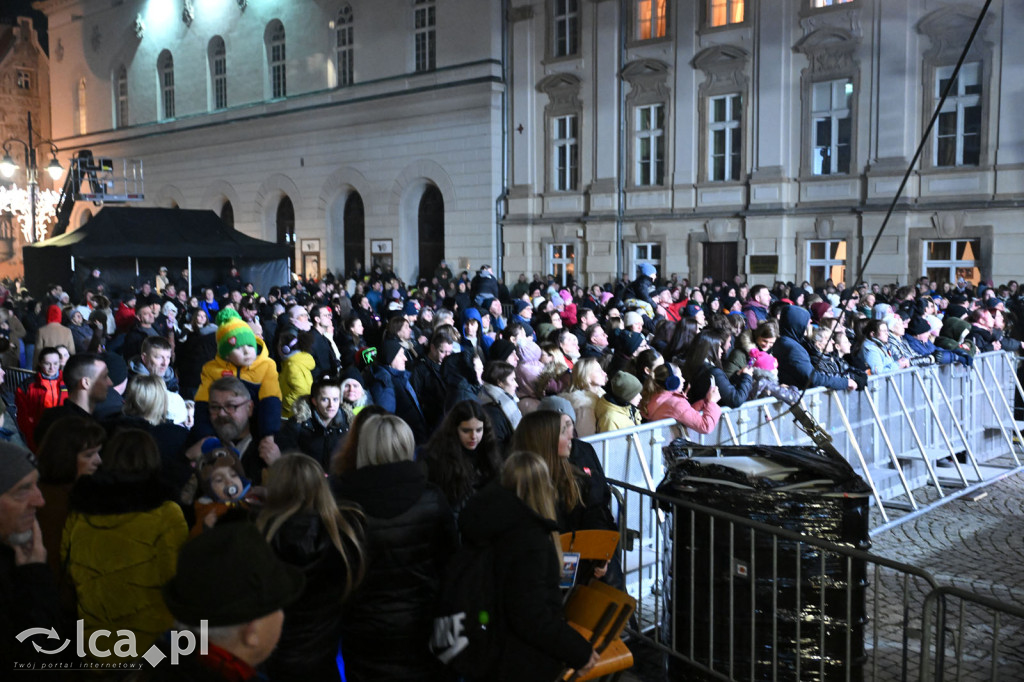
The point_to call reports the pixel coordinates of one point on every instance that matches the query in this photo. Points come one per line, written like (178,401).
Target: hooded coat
(390,388)
(460,380)
(537,641)
(53,333)
(795,367)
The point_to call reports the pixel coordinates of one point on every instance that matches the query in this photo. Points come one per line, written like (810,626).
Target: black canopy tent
(125,243)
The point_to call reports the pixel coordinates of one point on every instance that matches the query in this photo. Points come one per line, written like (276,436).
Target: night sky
(9,9)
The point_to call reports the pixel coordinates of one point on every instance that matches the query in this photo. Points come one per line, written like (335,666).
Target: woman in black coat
(197,347)
(517,519)
(304,525)
(410,534)
(704,365)
(318,425)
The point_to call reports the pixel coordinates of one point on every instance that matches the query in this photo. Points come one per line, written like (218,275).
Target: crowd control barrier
(919,436)
(827,611)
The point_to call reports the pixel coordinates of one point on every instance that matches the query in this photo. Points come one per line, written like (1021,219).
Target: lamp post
(53,169)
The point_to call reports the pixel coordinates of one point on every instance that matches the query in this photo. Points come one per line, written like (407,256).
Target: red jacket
(38,395)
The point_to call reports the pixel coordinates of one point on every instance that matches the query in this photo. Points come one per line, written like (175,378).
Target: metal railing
(729,598)
(937,427)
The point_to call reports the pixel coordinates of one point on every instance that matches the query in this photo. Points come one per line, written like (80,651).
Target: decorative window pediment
(724,66)
(563,91)
(647,80)
(830,51)
(948,29)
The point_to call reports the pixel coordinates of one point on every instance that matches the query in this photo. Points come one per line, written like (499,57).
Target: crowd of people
(296,467)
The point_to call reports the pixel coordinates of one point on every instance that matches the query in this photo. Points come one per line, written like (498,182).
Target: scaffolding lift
(100,180)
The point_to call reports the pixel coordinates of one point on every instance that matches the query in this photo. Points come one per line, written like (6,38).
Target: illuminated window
(817,4)
(565,147)
(426,35)
(562,262)
(958,133)
(566,28)
(651,20)
(725,142)
(24,80)
(650,144)
(277,61)
(826,259)
(343,31)
(219,72)
(165,69)
(832,126)
(121,89)
(947,260)
(725,12)
(646,252)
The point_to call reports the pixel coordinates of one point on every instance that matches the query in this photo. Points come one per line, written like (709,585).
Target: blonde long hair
(297,484)
(526,474)
(538,432)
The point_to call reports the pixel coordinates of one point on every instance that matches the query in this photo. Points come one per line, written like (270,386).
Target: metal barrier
(937,427)
(725,597)
(14,378)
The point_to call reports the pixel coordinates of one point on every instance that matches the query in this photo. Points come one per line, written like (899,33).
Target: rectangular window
(346,50)
(958,133)
(220,78)
(650,144)
(818,4)
(562,262)
(725,12)
(832,126)
(826,259)
(122,98)
(168,92)
(566,26)
(426,37)
(947,260)
(651,19)
(725,137)
(647,252)
(565,146)
(24,80)
(278,71)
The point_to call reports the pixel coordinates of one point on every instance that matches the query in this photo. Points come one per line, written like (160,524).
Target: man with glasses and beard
(231,408)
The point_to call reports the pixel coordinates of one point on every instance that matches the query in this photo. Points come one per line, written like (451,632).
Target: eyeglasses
(227,407)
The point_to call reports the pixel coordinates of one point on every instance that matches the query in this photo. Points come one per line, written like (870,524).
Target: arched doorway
(355,233)
(227,214)
(286,228)
(431,231)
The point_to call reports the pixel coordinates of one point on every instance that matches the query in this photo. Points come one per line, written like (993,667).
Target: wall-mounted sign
(764,265)
(310,245)
(380,246)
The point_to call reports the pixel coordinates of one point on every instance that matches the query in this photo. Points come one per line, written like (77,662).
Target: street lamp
(53,169)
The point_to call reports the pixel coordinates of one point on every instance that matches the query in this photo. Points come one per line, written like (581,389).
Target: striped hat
(232,332)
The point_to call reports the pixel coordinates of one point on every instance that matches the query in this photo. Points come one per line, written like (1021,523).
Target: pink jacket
(702,416)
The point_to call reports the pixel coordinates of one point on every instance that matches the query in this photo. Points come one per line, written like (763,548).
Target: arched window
(165,71)
(286,227)
(431,230)
(227,214)
(121,95)
(218,73)
(276,60)
(343,29)
(355,233)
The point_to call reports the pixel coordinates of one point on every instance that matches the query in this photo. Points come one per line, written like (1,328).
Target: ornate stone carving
(830,51)
(948,29)
(188,13)
(563,91)
(823,227)
(724,67)
(949,224)
(647,80)
(718,229)
(139,26)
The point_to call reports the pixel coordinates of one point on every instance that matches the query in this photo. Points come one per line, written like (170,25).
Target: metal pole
(30,163)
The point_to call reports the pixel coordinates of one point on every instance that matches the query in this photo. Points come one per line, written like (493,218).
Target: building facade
(574,137)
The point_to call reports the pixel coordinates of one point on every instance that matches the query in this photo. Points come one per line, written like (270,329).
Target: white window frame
(958,102)
(425,35)
(733,121)
(650,19)
(277,60)
(828,262)
(840,91)
(730,7)
(344,35)
(219,73)
(23,79)
(565,28)
(565,152)
(642,252)
(953,263)
(562,262)
(649,166)
(121,97)
(165,72)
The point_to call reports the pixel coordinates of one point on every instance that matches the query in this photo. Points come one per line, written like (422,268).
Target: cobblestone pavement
(973,544)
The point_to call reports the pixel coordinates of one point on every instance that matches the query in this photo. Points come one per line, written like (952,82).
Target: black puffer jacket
(312,625)
(410,534)
(538,643)
(307,434)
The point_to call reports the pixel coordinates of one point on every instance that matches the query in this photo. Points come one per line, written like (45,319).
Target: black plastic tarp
(117,238)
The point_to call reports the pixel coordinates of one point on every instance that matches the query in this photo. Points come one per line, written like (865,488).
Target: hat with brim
(229,575)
